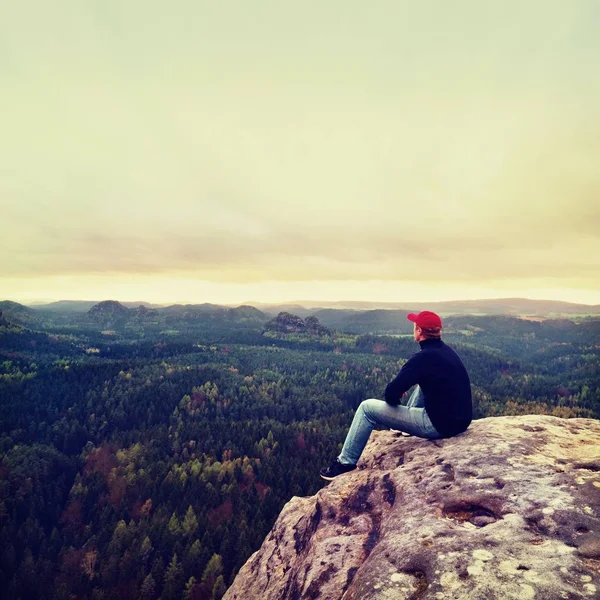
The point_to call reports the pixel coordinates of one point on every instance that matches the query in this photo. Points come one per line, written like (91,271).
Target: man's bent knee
(371,409)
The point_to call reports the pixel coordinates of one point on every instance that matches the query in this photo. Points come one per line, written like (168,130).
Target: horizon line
(308,301)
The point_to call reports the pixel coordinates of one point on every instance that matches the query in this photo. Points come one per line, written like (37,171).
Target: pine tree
(148,589)
(192,557)
(119,538)
(146,549)
(158,568)
(173,580)
(190,589)
(190,522)
(211,574)
(219,588)
(174,525)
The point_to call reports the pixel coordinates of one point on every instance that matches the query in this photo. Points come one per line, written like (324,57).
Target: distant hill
(514,306)
(203,312)
(395,322)
(499,306)
(114,315)
(365,321)
(78,306)
(190,309)
(246,312)
(83,306)
(294,309)
(19,314)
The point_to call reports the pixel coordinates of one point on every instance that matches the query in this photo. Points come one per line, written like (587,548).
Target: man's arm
(409,375)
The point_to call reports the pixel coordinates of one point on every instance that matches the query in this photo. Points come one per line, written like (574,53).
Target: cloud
(265,143)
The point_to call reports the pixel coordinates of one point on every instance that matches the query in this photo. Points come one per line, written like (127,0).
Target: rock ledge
(509,509)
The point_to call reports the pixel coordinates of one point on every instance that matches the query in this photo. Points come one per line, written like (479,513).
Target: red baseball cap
(425,319)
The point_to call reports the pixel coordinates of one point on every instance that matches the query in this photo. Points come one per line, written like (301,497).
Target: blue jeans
(411,418)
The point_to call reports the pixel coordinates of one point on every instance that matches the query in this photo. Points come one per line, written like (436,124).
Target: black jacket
(442,377)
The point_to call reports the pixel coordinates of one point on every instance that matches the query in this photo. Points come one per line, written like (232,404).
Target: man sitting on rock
(439,407)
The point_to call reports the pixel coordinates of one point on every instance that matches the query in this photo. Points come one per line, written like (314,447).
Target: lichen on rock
(510,509)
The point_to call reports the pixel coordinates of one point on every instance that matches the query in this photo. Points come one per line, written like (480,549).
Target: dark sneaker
(337,468)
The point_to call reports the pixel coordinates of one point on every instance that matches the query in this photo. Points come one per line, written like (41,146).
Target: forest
(147,454)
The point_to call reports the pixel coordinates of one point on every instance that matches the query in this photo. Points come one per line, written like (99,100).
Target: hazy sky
(276,150)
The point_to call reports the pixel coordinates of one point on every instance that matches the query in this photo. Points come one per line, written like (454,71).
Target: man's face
(416,332)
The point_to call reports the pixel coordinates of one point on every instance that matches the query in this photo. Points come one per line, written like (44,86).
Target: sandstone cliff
(509,509)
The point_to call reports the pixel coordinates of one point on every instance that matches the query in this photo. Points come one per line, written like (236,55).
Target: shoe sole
(403,433)
(327,478)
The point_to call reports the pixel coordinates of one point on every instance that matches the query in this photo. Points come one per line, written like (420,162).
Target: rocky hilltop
(111,311)
(509,509)
(108,308)
(287,323)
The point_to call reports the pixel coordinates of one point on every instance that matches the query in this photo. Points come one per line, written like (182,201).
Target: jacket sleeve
(409,375)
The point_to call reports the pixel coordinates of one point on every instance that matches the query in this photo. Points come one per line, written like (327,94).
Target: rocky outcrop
(287,323)
(509,509)
(108,309)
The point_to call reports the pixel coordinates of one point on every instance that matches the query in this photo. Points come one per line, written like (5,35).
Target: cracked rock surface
(508,509)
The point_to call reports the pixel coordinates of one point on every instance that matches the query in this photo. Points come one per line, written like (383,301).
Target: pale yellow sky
(274,151)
